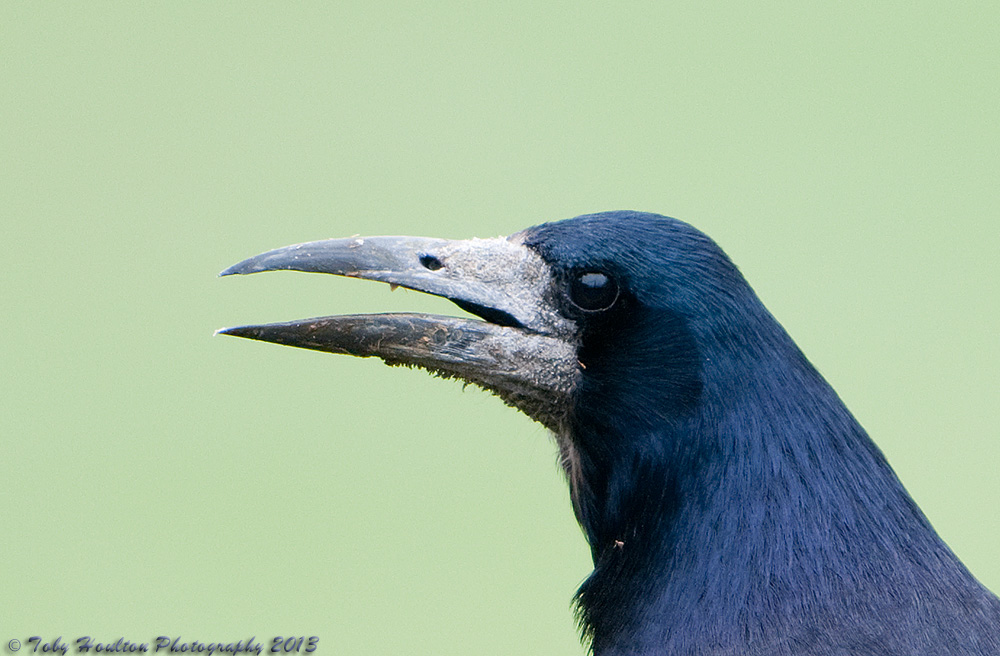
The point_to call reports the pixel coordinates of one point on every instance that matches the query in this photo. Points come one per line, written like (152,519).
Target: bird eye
(593,291)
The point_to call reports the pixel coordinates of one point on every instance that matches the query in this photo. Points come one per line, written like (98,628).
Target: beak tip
(235,269)
(237,331)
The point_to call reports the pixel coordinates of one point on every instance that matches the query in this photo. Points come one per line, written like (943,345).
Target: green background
(159,481)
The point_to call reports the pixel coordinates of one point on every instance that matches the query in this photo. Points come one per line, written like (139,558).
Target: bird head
(599,327)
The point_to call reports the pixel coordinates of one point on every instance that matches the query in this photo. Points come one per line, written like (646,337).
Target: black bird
(732,504)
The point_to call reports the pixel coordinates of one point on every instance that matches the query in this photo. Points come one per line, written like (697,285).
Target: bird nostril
(431,262)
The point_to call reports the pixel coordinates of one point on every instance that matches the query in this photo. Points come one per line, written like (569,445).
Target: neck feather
(763,493)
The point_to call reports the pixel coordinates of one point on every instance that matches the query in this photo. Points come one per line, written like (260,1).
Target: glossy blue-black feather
(732,503)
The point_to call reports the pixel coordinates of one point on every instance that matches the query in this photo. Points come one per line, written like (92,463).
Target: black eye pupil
(593,291)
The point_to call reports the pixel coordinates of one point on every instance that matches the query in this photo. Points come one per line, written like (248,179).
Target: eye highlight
(593,291)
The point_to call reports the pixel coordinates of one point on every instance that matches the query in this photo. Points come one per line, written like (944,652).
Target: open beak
(523,349)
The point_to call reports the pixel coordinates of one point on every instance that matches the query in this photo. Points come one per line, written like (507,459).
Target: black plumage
(732,503)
